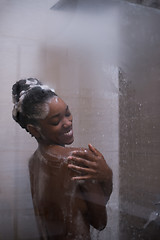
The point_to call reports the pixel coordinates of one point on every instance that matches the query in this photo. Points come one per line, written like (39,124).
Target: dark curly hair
(30,98)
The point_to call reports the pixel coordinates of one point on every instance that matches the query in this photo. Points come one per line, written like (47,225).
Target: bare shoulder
(60,152)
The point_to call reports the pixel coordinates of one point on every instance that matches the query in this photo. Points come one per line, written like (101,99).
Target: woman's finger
(82,169)
(84,154)
(94,150)
(82,162)
(83,177)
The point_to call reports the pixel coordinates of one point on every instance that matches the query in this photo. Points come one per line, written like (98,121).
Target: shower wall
(17,219)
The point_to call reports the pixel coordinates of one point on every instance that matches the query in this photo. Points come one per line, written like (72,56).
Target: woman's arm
(95,200)
(97,186)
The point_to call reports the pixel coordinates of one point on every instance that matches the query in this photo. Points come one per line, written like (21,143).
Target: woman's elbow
(100,222)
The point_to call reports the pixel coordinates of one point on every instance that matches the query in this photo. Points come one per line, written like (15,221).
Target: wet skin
(70,186)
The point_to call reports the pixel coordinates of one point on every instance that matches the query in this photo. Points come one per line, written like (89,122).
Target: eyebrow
(58,114)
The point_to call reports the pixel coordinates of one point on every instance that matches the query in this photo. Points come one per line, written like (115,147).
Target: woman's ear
(33,130)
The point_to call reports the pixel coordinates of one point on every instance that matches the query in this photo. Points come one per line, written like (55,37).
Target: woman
(70,186)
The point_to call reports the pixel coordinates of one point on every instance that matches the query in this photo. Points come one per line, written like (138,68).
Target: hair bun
(22,86)
(27,95)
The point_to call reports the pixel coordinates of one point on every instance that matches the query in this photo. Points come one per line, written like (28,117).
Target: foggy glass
(103,59)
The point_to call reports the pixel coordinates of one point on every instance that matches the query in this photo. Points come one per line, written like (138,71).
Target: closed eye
(55,123)
(68,114)
(57,118)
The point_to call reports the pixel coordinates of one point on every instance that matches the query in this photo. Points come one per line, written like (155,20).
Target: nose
(67,122)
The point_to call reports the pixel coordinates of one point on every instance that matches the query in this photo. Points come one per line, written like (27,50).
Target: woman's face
(56,128)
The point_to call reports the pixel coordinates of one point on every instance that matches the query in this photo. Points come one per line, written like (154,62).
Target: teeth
(68,133)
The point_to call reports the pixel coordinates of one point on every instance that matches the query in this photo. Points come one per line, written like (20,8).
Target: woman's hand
(90,164)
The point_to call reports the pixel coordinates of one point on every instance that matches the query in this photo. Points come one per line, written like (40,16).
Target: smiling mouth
(69,133)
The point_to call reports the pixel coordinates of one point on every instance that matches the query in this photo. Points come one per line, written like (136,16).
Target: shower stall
(103,58)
